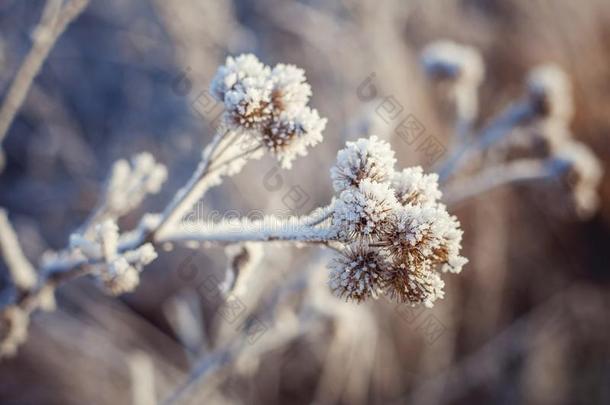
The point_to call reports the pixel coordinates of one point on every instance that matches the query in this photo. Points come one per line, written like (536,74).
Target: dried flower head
(270,105)
(451,61)
(365,212)
(289,136)
(291,92)
(414,187)
(550,91)
(402,230)
(371,159)
(358,273)
(243,84)
(418,285)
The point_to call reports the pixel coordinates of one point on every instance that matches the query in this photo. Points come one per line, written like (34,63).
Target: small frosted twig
(51,26)
(22,273)
(142,373)
(194,189)
(217,166)
(269,229)
(517,171)
(514,116)
(319,215)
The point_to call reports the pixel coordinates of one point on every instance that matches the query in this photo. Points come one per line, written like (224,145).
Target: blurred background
(526,322)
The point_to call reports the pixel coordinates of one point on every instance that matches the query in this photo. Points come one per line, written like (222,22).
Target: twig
(512,117)
(518,171)
(52,24)
(22,273)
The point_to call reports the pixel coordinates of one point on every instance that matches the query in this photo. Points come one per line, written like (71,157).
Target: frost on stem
(127,186)
(269,105)
(118,271)
(400,236)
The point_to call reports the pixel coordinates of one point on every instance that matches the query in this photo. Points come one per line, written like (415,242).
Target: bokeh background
(526,322)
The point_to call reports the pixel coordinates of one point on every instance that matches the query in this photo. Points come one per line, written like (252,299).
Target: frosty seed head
(401,229)
(243,85)
(413,187)
(288,136)
(426,235)
(365,212)
(418,285)
(291,92)
(270,105)
(550,91)
(371,159)
(451,61)
(358,273)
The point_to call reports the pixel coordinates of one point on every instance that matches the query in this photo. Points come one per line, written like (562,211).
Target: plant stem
(518,171)
(52,24)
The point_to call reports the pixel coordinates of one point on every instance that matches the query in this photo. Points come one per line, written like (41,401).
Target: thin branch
(514,116)
(52,24)
(518,171)
(194,189)
(22,273)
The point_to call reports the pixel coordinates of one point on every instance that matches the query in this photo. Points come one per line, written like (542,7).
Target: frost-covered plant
(391,230)
(269,104)
(402,235)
